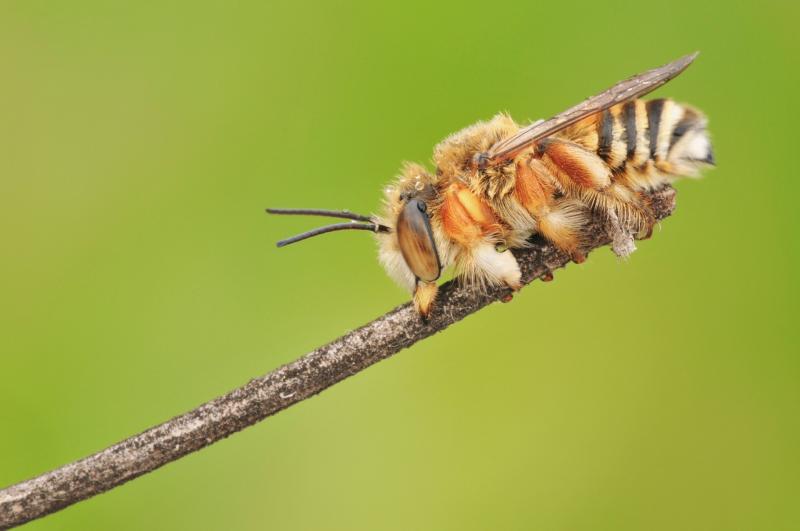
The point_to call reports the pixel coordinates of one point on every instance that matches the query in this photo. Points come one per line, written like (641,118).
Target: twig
(265,396)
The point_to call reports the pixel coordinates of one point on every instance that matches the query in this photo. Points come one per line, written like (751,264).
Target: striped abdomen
(646,143)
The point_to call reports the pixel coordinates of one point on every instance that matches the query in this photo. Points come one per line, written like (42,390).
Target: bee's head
(415,240)
(408,246)
(408,204)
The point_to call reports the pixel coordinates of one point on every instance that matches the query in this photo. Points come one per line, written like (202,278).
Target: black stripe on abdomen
(654,109)
(629,123)
(605,135)
(689,121)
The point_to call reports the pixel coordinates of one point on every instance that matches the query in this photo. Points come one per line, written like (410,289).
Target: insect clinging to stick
(496,184)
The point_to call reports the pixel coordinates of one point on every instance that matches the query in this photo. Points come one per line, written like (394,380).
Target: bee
(497,183)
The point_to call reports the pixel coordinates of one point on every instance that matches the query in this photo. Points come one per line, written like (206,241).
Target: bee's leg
(497,265)
(633,209)
(585,176)
(484,263)
(424,297)
(561,225)
(647,232)
(558,221)
(473,227)
(629,218)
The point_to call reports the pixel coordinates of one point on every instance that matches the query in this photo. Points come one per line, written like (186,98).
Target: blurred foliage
(139,144)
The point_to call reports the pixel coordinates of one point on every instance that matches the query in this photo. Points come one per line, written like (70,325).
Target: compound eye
(415,237)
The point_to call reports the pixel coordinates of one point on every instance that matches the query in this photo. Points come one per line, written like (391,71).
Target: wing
(624,90)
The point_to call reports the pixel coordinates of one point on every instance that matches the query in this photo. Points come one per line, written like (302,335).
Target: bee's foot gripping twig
(647,233)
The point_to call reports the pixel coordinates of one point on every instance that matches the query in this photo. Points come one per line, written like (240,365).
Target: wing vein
(623,91)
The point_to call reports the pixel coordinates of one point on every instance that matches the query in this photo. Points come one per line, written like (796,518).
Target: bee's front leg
(424,297)
(473,229)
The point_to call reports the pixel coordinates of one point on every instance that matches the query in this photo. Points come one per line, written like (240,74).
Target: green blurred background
(139,144)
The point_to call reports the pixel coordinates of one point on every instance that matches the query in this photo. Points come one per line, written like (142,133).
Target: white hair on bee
(692,149)
(499,267)
(393,262)
(484,265)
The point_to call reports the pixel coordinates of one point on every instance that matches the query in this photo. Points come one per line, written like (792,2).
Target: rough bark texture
(265,396)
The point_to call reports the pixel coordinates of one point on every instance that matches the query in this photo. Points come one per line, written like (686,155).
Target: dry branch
(265,396)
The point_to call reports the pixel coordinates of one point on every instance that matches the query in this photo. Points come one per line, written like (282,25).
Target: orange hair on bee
(574,165)
(465,217)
